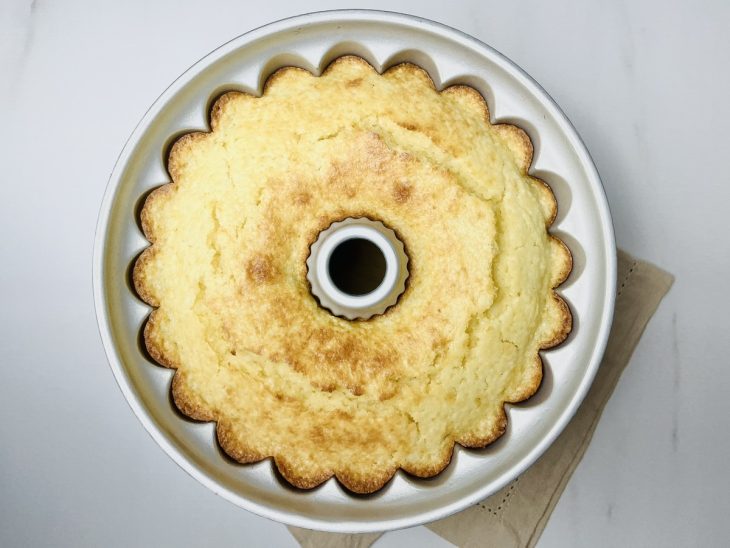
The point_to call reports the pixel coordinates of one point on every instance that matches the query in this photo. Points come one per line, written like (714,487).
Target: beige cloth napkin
(517,515)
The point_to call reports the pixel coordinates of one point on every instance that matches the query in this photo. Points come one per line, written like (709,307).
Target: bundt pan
(450,57)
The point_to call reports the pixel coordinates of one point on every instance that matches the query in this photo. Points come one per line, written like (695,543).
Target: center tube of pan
(357,268)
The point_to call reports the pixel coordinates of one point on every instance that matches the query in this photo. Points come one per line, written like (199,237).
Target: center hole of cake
(357,266)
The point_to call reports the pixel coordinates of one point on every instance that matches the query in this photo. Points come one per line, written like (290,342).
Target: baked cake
(283,377)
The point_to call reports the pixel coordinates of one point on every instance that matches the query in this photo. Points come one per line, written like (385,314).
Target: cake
(283,377)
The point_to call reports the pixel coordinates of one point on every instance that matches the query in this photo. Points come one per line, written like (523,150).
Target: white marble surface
(645,83)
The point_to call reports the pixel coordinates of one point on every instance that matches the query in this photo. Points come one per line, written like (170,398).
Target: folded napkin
(517,515)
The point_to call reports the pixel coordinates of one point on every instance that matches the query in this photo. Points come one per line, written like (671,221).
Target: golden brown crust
(294,476)
(146,221)
(413,71)
(179,150)
(184,401)
(218,106)
(233,447)
(553,212)
(281,73)
(471,98)
(521,141)
(563,328)
(429,470)
(531,386)
(364,485)
(262,269)
(140,286)
(150,342)
(473,441)
(562,274)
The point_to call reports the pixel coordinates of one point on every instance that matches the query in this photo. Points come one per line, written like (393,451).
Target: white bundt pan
(312,41)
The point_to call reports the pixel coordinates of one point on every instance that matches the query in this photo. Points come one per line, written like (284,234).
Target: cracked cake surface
(281,376)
